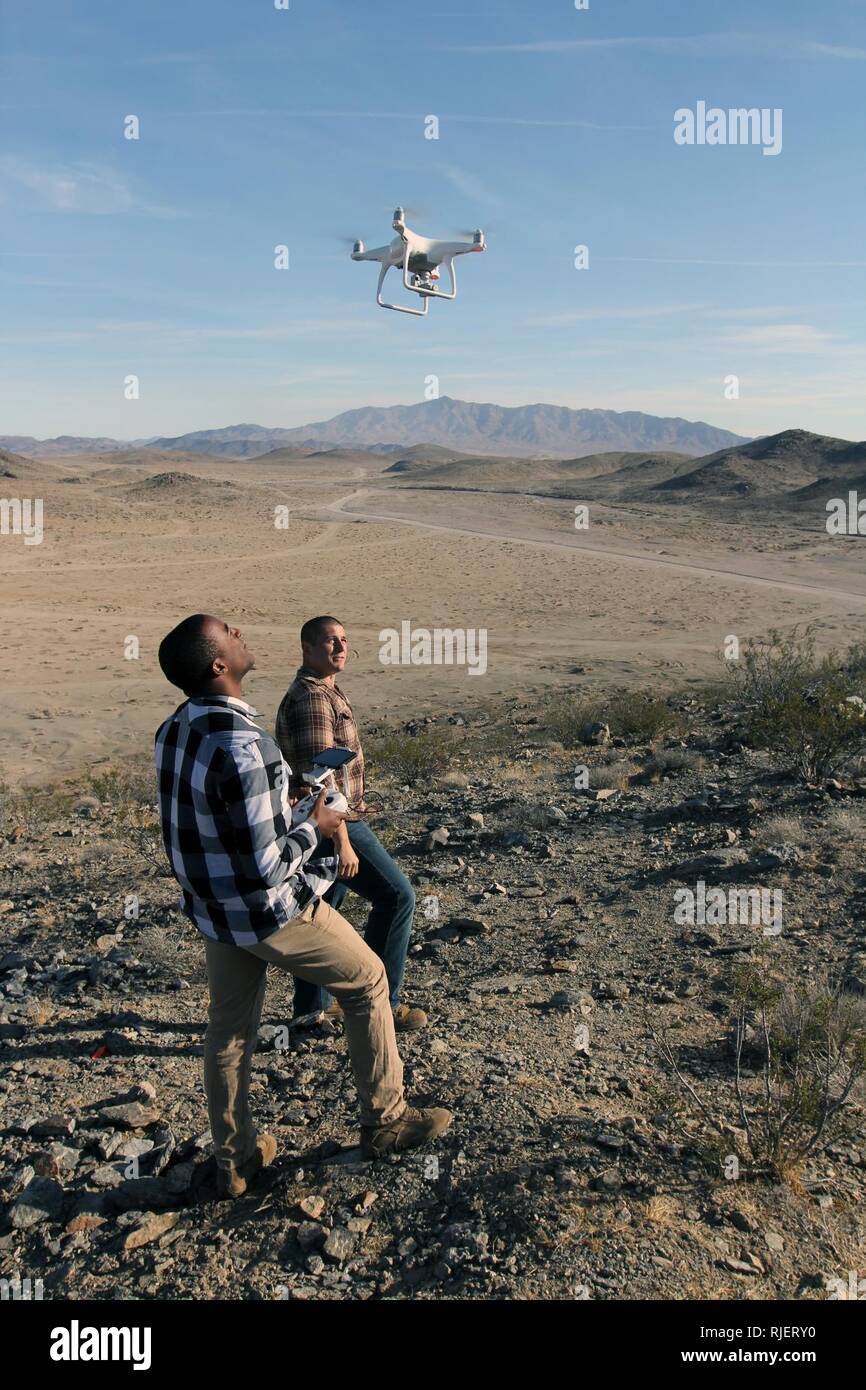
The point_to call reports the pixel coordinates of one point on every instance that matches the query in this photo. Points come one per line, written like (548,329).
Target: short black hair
(186,654)
(311,632)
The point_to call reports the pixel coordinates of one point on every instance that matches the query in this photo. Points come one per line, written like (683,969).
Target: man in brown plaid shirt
(315,715)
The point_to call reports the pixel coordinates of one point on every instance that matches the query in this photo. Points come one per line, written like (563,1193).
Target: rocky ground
(547,955)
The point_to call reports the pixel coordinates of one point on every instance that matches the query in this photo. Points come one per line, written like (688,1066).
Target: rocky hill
(547,954)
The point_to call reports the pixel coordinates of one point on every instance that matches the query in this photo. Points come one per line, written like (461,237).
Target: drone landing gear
(420,282)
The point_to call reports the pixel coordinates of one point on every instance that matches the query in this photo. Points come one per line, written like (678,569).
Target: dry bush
(617,775)
(783,830)
(410,759)
(29,806)
(636,715)
(665,762)
(799,1059)
(844,825)
(803,707)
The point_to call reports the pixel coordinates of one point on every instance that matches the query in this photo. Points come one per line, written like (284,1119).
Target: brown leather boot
(408,1019)
(413,1127)
(232,1182)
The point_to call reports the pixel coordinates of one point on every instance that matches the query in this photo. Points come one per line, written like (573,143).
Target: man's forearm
(341,838)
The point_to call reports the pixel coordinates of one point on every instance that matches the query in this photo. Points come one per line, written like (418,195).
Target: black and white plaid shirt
(245,870)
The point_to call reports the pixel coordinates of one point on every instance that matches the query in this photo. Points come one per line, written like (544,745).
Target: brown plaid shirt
(314,716)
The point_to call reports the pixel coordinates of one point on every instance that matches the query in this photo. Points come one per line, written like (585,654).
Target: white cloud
(147,331)
(642,311)
(444,117)
(814,264)
(687,45)
(470,185)
(783,337)
(81,187)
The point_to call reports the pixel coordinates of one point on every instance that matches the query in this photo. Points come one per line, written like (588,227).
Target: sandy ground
(645,596)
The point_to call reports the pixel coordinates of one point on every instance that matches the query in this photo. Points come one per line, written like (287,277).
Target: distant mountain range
(792,469)
(524,431)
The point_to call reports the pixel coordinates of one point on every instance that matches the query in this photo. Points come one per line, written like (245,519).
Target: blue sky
(261,126)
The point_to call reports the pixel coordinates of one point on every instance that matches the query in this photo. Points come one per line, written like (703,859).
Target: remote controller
(325,764)
(334,800)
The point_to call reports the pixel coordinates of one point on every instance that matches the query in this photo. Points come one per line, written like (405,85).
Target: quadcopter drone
(420,258)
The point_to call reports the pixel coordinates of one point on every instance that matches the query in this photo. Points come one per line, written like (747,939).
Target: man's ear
(218,668)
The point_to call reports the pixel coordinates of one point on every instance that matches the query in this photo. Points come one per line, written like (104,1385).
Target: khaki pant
(320,946)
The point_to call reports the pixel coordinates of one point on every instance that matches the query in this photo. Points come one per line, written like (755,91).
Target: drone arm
(378,253)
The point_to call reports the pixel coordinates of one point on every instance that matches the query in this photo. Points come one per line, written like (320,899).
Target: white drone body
(420,257)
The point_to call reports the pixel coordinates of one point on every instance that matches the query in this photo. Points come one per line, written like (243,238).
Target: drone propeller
(410,210)
(467,233)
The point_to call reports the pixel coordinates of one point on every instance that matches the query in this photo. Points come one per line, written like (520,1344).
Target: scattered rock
(573,1001)
(436,839)
(41,1200)
(594,733)
(339,1244)
(469,926)
(132,1115)
(149,1228)
(312,1207)
(52,1127)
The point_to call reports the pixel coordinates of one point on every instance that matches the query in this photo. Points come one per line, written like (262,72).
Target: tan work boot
(413,1127)
(408,1019)
(232,1182)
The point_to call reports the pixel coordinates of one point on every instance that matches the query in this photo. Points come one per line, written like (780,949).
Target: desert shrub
(616,774)
(783,830)
(814,731)
(33,805)
(809,711)
(855,659)
(531,813)
(128,797)
(811,1041)
(664,762)
(773,668)
(636,715)
(411,758)
(799,1052)
(124,789)
(844,825)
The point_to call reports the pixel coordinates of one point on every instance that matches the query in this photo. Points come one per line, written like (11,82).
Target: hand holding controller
(327,807)
(326,816)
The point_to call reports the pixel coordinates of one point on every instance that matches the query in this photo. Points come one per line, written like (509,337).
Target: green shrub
(409,758)
(635,715)
(773,668)
(799,705)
